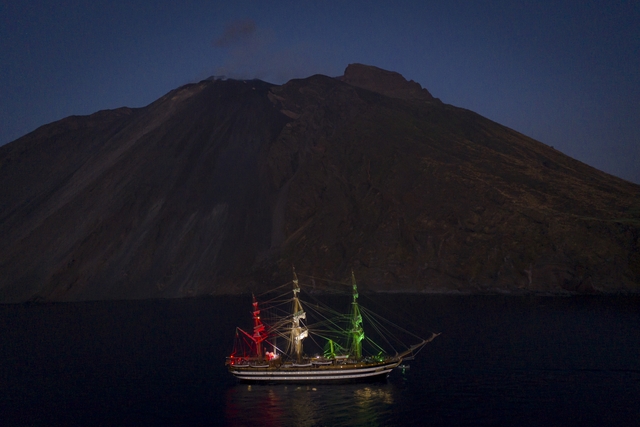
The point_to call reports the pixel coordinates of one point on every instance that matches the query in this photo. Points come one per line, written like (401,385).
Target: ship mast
(258,328)
(356,332)
(298,333)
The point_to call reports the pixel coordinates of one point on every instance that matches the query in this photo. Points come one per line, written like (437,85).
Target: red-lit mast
(259,333)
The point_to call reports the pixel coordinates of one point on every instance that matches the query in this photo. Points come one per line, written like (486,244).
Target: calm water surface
(499,361)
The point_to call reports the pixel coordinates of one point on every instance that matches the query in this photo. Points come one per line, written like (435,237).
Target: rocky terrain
(221,186)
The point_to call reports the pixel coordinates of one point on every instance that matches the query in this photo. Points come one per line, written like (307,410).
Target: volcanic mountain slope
(221,186)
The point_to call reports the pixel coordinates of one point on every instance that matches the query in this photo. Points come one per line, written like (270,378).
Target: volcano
(221,186)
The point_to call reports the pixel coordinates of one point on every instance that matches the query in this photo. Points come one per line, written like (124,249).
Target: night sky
(566,73)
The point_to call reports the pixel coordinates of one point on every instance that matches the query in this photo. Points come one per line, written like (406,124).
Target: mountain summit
(220,186)
(388,83)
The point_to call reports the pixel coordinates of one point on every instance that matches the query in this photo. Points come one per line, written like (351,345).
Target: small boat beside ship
(274,352)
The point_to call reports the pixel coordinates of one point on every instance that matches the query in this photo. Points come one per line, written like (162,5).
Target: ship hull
(316,375)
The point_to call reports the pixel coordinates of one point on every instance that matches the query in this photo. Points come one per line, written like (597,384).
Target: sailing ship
(257,357)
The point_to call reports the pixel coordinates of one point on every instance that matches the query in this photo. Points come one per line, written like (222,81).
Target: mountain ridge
(220,186)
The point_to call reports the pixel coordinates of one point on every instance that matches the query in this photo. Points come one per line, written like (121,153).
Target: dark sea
(500,361)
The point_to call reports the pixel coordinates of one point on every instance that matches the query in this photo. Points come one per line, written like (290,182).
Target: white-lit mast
(298,333)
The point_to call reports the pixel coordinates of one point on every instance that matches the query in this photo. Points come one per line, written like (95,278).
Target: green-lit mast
(298,333)
(356,331)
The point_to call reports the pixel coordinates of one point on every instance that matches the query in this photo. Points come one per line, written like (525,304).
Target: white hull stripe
(312,378)
(315,373)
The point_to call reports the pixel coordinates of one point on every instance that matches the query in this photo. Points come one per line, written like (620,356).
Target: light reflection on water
(310,405)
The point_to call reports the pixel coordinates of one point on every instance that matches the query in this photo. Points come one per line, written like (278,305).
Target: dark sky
(566,73)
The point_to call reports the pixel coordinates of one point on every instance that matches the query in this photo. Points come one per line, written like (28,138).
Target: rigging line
(380,327)
(373,343)
(277,310)
(325,326)
(316,312)
(418,349)
(321,308)
(329,338)
(389,334)
(323,280)
(276,299)
(369,299)
(271,290)
(314,341)
(377,316)
(327,335)
(376,326)
(324,311)
(273,345)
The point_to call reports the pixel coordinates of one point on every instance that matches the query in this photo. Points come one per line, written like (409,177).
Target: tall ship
(274,351)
